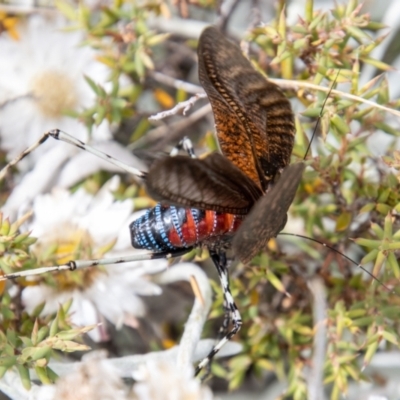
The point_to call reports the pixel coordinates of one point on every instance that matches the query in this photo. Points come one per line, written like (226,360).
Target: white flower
(94,378)
(42,76)
(162,380)
(83,224)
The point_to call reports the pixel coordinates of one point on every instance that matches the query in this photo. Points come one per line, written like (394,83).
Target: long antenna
(315,240)
(320,115)
(65,137)
(341,254)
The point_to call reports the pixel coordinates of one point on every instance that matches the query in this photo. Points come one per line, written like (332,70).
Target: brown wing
(254,120)
(268,217)
(213,183)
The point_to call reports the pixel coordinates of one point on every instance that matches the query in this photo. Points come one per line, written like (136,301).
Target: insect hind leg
(219,259)
(225,323)
(223,331)
(227,311)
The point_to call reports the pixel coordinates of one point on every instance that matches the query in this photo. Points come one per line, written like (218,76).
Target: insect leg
(78,264)
(220,262)
(225,323)
(223,330)
(185,144)
(227,311)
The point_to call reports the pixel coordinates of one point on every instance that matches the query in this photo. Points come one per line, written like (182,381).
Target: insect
(233,193)
(255,129)
(229,199)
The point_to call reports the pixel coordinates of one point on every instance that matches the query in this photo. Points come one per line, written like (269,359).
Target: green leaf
(5,227)
(274,280)
(42,375)
(390,337)
(93,85)
(8,361)
(265,364)
(391,130)
(388,227)
(38,309)
(54,326)
(340,124)
(367,208)
(394,265)
(371,256)
(359,312)
(43,332)
(380,259)
(343,221)
(316,21)
(377,64)
(365,321)
(375,26)
(368,242)
(357,33)
(40,352)
(383,209)
(383,196)
(378,231)
(3,371)
(69,346)
(371,350)
(73,333)
(285,55)
(157,39)
(218,370)
(24,375)
(392,246)
(237,380)
(34,334)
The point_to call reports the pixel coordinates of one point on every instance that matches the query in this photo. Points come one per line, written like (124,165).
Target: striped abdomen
(165,228)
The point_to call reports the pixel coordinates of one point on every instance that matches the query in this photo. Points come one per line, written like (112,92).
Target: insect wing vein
(254,120)
(213,183)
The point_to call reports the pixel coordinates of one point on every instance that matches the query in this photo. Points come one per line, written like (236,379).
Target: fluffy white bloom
(162,380)
(95,378)
(86,224)
(41,77)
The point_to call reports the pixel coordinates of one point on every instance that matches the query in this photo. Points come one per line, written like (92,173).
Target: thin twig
(159,133)
(316,374)
(289,84)
(185,105)
(27,9)
(176,83)
(159,137)
(195,323)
